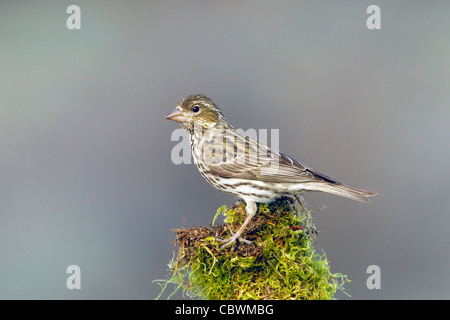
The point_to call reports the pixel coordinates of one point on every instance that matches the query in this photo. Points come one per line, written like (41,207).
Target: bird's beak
(176,115)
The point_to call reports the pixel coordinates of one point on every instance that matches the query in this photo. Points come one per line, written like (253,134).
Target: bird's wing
(247,158)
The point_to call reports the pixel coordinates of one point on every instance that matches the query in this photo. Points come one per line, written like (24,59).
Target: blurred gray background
(86,176)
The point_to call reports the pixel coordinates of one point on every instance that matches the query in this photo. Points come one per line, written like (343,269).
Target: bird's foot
(234,236)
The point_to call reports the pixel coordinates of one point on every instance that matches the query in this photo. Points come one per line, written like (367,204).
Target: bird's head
(197,110)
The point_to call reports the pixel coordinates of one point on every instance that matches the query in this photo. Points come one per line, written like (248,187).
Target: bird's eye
(196,108)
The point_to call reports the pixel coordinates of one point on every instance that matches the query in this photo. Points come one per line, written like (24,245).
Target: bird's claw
(229,241)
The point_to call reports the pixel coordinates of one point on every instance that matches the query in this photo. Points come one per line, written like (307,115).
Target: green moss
(281,262)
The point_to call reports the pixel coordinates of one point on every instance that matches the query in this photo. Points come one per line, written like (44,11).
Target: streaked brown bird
(244,167)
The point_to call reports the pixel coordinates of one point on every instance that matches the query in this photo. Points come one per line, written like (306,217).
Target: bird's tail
(346,191)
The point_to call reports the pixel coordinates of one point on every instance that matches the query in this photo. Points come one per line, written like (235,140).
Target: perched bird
(244,167)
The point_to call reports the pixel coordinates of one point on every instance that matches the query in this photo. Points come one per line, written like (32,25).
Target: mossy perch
(281,262)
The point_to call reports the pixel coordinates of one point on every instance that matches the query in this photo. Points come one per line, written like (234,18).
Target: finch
(244,167)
